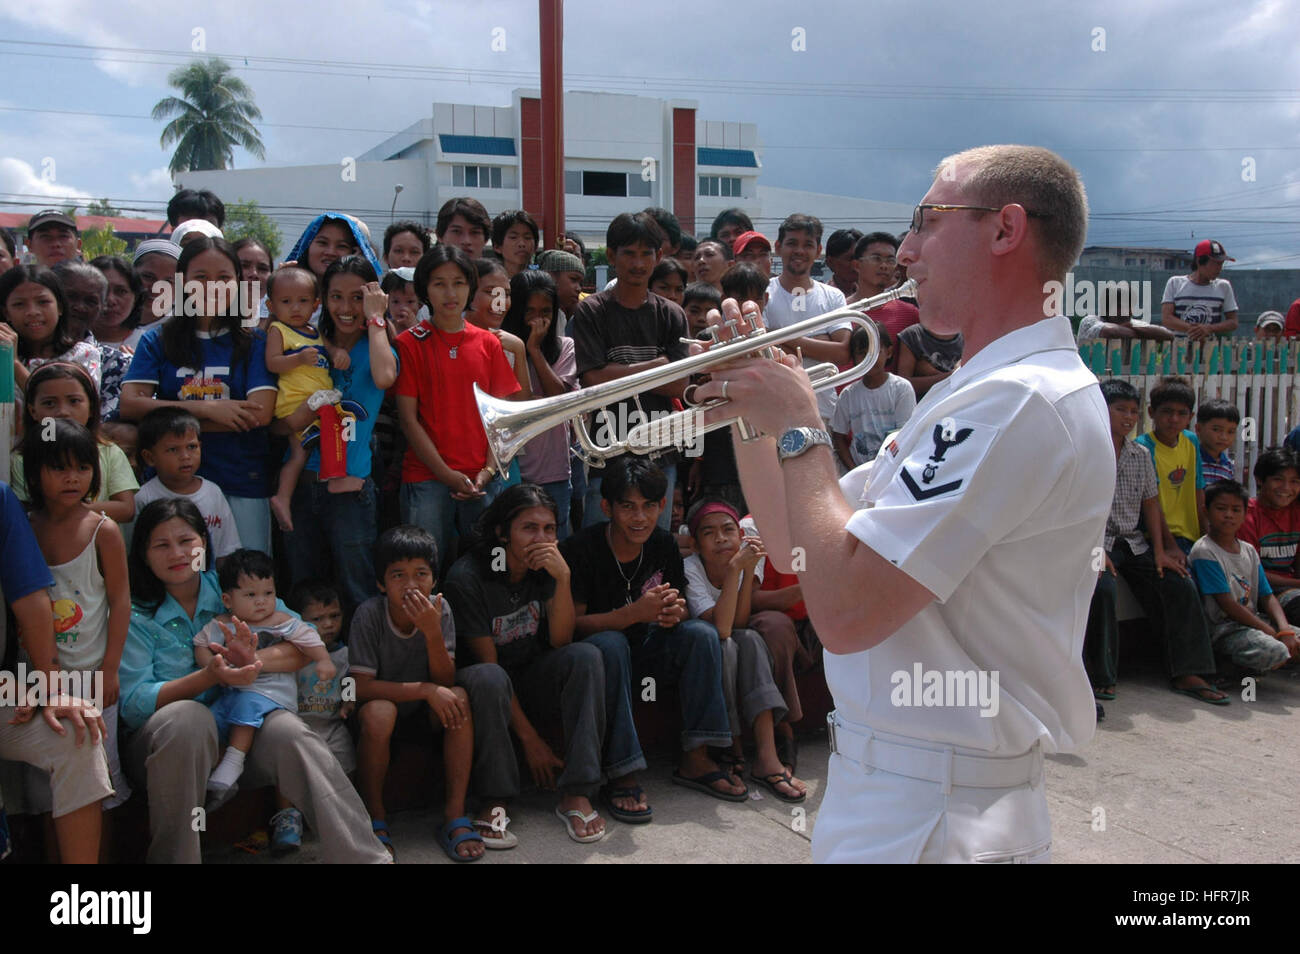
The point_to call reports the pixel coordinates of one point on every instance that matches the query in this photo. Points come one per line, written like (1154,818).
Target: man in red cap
(1201,304)
(753,247)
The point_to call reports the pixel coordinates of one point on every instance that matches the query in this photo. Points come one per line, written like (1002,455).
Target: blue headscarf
(299,252)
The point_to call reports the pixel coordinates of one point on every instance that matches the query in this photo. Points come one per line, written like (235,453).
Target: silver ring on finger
(724,389)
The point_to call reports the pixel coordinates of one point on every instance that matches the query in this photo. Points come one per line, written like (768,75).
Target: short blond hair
(1037,179)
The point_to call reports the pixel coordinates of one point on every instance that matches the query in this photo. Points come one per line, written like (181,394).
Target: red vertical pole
(551,29)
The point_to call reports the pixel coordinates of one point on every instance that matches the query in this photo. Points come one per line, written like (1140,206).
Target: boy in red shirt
(446,478)
(1272,524)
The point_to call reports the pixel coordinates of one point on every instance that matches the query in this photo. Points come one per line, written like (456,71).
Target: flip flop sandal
(770,782)
(1105,695)
(585,819)
(506,841)
(639,817)
(448,843)
(701,784)
(735,764)
(1196,693)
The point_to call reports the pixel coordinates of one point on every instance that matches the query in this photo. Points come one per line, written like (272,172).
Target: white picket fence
(1260,379)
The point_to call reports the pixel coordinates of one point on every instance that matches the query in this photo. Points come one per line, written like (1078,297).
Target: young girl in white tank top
(87,557)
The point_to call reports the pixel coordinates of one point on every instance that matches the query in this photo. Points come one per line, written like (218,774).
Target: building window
(604,183)
(728,186)
(476,177)
(1130,261)
(572,182)
(636,185)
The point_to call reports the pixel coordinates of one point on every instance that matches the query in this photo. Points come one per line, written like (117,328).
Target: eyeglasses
(875,259)
(918,213)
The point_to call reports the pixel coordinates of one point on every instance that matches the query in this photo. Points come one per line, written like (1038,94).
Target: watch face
(791,441)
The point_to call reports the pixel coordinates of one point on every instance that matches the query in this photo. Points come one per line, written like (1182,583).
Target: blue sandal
(380,828)
(449,843)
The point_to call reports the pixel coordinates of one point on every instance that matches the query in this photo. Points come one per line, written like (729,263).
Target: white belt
(933,761)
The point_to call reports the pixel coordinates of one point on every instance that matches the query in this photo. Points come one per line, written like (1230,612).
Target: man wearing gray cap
(52,237)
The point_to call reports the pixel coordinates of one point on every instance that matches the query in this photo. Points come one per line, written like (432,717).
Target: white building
(622,153)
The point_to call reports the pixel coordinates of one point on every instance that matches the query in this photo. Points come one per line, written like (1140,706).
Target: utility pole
(551,30)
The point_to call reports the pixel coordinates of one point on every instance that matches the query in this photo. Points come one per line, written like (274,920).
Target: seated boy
(401,650)
(1157,573)
(628,581)
(320,701)
(1235,589)
(1176,454)
(1272,524)
(1216,429)
(169,443)
(869,409)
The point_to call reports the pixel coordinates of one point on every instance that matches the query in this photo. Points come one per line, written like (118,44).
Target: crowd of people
(205,431)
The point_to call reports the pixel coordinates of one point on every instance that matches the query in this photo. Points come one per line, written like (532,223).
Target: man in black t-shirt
(628,586)
(626,329)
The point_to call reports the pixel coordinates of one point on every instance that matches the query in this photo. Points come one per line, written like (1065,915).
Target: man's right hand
(651,603)
(450,708)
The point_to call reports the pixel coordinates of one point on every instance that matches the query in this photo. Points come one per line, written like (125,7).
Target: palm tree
(214,114)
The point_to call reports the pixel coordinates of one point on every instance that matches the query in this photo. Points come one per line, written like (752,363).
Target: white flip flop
(507,840)
(585,819)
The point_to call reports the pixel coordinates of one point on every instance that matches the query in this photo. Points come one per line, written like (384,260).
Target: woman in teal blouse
(171,746)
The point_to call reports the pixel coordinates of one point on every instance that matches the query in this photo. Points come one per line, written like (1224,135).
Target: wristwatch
(798,439)
(378,321)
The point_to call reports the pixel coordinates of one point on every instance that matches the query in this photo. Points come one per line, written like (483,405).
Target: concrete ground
(1166,779)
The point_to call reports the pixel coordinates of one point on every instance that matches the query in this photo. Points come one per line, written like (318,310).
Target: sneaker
(286,831)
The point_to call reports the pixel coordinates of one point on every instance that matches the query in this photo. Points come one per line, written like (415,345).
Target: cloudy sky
(1181,116)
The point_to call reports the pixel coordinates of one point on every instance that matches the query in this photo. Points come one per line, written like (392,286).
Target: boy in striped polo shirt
(1216,429)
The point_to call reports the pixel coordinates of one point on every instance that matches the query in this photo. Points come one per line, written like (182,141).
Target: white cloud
(154,184)
(19,182)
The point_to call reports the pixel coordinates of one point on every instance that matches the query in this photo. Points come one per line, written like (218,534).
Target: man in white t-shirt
(950,579)
(1201,304)
(795,295)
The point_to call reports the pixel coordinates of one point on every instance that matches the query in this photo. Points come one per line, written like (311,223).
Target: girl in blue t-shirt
(335,521)
(209,358)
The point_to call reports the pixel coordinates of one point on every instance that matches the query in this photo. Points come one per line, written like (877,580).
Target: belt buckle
(830,730)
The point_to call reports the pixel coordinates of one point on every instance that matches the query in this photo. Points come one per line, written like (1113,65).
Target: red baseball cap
(1213,249)
(744,239)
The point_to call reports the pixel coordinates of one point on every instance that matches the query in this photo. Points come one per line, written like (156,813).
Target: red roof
(19,220)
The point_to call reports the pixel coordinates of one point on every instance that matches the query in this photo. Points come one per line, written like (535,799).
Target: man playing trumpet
(961,558)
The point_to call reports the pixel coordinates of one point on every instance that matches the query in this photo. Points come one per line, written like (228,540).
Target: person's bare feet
(280,509)
(569,803)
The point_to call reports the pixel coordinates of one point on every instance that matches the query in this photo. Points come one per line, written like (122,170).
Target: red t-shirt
(1274,533)
(443,389)
(894,316)
(775,580)
(1292,328)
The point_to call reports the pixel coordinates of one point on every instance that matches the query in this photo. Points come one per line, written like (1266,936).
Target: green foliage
(214,114)
(245,219)
(102,241)
(104,208)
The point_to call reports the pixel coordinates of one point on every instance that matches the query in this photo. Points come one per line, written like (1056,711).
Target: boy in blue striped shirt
(1216,429)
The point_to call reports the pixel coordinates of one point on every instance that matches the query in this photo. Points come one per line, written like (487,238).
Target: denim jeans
(592,514)
(253,521)
(561,493)
(334,538)
(688,656)
(428,504)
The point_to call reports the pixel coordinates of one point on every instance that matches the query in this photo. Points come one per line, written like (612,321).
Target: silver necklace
(627,580)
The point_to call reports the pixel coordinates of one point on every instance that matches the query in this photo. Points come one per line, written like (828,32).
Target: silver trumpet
(512,424)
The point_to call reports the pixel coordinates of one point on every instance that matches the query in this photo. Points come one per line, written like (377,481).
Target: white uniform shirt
(1001,529)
